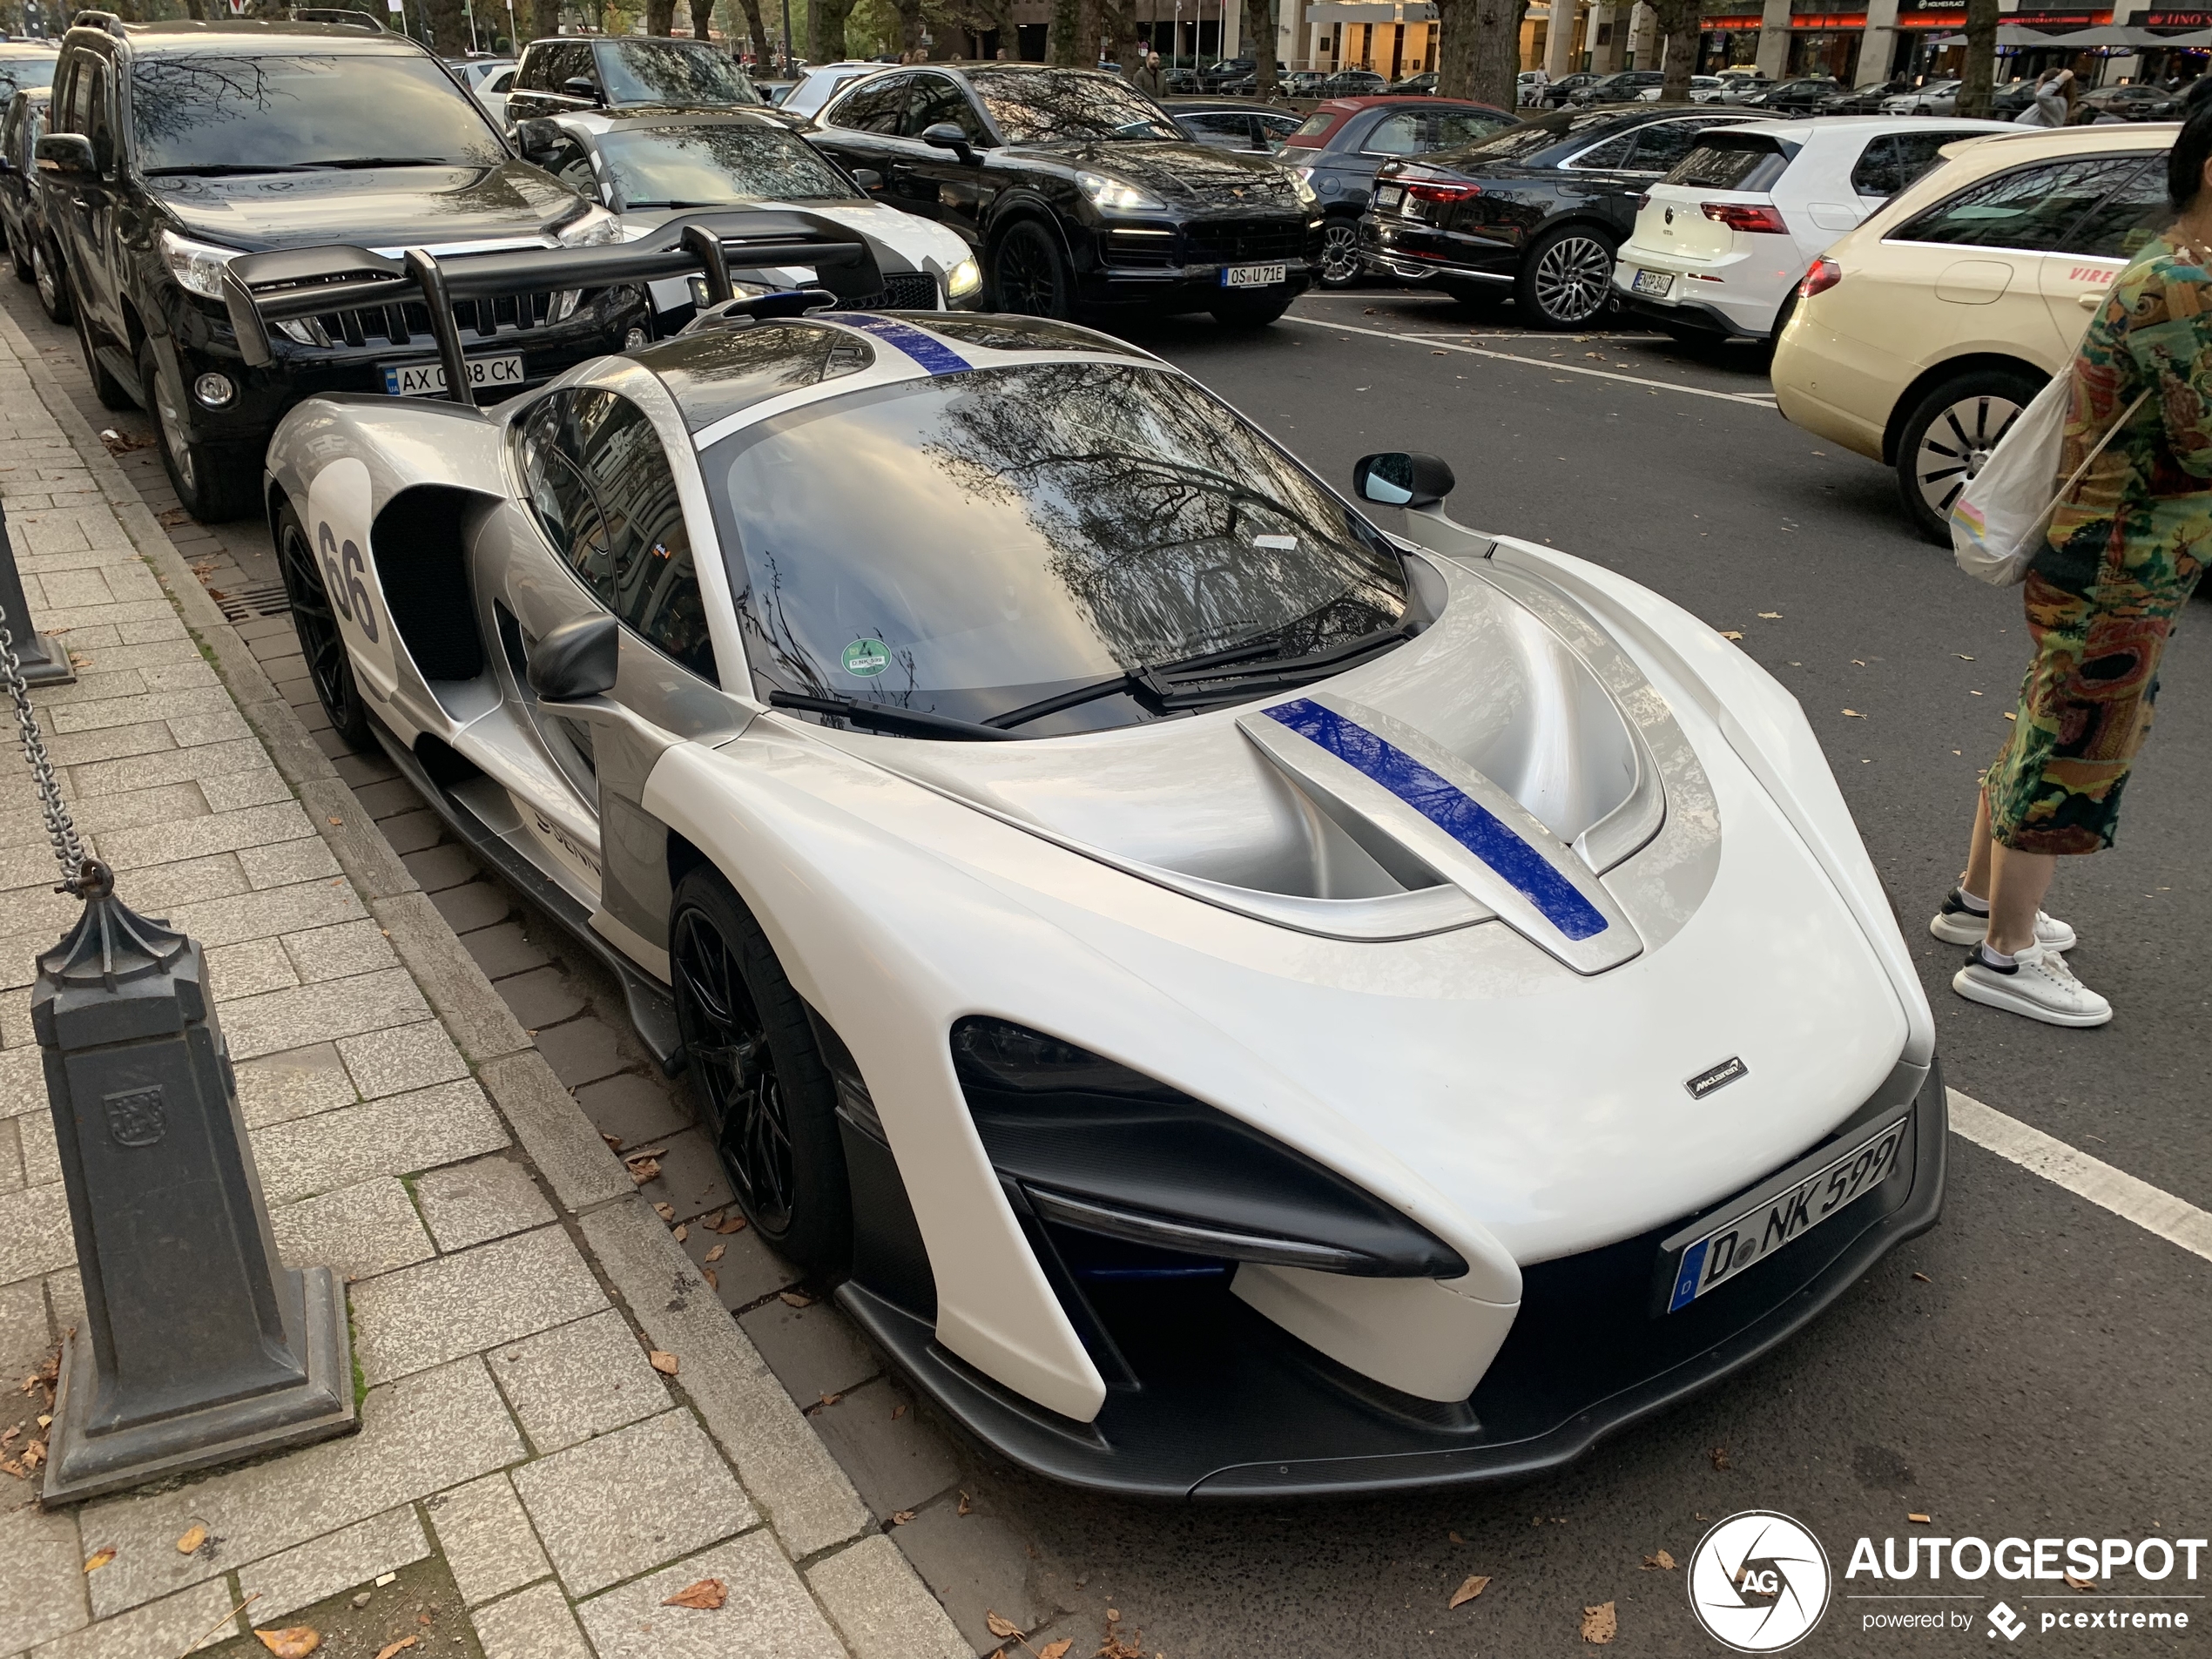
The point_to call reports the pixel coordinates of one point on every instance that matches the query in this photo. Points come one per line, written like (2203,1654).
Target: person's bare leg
(1976,880)
(2018,880)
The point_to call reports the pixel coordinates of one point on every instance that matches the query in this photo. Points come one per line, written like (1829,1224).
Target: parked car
(935,721)
(1534,211)
(243,137)
(1860,100)
(1703,89)
(1921,334)
(22,215)
(1216,76)
(1303,82)
(473,73)
(822,83)
(1624,86)
(1352,83)
(2011,98)
(1932,97)
(25,64)
(1721,242)
(625,73)
(1800,97)
(492,91)
(1077,191)
(1421,85)
(1344,140)
(1560,93)
(1229,125)
(2135,102)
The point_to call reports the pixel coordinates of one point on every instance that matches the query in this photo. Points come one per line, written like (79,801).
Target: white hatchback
(1721,243)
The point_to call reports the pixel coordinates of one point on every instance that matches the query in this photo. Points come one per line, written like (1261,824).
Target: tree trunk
(1117,23)
(543,19)
(758,28)
(660,16)
(1980,77)
(448,26)
(1062,45)
(909,26)
(1455,47)
(701,19)
(1679,28)
(826,21)
(1259,41)
(1497,51)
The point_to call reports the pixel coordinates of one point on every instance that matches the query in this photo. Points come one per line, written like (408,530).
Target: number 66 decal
(339,509)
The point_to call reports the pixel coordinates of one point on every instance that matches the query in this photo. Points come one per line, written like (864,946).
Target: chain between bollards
(61,829)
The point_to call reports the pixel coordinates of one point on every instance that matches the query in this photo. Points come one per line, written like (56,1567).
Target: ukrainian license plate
(427,380)
(1711,1252)
(1254,276)
(1654,283)
(1389,196)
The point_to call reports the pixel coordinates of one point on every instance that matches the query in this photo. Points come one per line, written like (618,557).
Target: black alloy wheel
(771,1106)
(1566,278)
(46,276)
(210,482)
(1339,252)
(1029,274)
(321,643)
(1950,436)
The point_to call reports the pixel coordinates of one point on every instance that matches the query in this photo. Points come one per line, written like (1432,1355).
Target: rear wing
(290,284)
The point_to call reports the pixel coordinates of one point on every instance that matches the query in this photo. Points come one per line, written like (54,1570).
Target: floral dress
(2124,555)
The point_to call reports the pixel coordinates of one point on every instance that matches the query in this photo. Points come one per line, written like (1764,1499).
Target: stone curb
(874,1597)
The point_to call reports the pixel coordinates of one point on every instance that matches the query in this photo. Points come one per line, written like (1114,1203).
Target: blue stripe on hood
(926,349)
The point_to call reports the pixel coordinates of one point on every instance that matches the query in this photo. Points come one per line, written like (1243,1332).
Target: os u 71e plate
(1255,276)
(1707,1254)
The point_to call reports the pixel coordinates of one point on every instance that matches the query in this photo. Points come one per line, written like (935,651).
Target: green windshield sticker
(866,657)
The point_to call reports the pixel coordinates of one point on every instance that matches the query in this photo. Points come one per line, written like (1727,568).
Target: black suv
(571,72)
(171,148)
(1077,191)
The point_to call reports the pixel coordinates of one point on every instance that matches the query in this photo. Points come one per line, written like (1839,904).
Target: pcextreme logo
(1759,1582)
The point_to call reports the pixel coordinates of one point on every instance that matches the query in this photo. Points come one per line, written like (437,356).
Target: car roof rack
(105,21)
(291,283)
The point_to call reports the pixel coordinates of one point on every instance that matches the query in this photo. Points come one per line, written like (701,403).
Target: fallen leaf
(1113,1614)
(715,1255)
(1924,1278)
(730,1224)
(1600,1625)
(1662,1560)
(2080,1585)
(682,1232)
(9,1433)
(665,1211)
(900,1517)
(192,1539)
(644,1169)
(645,1152)
(1475,1584)
(614,1142)
(169,519)
(1962,657)
(897,1412)
(1455,1537)
(9,1466)
(663,1363)
(1730,633)
(294,1641)
(1853,714)
(794,1299)
(1059,1649)
(706,1596)
(2010,715)
(335,821)
(1001,1627)
(1719,1455)
(832,1399)
(391,1648)
(967,1507)
(1920,1520)
(34,1454)
(713,1279)
(99,1558)
(1771,616)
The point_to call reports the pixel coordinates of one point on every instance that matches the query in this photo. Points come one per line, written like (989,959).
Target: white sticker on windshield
(1277,543)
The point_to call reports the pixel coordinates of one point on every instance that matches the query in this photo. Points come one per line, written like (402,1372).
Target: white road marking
(2176,1220)
(1756,400)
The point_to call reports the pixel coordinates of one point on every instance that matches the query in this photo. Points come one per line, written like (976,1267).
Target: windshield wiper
(357,164)
(627,207)
(891,718)
(228,169)
(1215,677)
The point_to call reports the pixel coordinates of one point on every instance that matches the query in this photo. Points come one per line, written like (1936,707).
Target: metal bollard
(197,1347)
(45,660)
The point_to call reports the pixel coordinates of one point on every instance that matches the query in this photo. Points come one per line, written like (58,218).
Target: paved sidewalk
(525,1482)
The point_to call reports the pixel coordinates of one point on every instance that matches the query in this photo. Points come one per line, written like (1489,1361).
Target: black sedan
(1804,96)
(1536,211)
(2135,102)
(20,215)
(1626,86)
(1078,191)
(1343,142)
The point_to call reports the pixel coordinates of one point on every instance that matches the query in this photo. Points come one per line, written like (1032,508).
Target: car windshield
(980,541)
(1065,106)
(250,112)
(708,166)
(667,71)
(31,70)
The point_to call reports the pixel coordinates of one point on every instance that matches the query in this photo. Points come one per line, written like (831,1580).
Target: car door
(81,210)
(939,183)
(860,127)
(2101,245)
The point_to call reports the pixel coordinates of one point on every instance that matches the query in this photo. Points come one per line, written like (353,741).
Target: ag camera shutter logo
(1759,1582)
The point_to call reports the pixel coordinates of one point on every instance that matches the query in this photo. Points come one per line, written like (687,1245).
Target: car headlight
(198,267)
(594,227)
(1304,187)
(963,280)
(1114,196)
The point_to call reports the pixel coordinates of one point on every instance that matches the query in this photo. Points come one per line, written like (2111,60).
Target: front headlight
(963,280)
(1301,184)
(1114,196)
(198,267)
(594,227)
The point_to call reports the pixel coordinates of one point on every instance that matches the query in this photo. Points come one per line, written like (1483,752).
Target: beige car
(1921,334)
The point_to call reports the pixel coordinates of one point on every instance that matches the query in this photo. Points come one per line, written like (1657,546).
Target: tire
(213,483)
(1948,437)
(1566,278)
(1029,274)
(112,394)
(1339,254)
(1787,310)
(1255,313)
(770,1105)
(19,256)
(53,286)
(316,624)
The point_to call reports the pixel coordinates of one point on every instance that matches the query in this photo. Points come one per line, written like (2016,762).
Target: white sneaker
(2037,984)
(1956,924)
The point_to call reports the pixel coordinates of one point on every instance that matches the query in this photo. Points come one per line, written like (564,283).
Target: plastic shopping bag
(2001,518)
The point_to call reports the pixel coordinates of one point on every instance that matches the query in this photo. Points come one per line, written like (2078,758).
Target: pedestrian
(1532,87)
(1147,76)
(2122,558)
(2053,104)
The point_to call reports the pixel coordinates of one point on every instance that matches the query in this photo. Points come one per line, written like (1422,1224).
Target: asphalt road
(2034,1367)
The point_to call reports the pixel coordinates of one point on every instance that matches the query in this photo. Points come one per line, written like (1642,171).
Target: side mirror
(583,86)
(868,178)
(536,139)
(1402,479)
(947,135)
(577,660)
(67,155)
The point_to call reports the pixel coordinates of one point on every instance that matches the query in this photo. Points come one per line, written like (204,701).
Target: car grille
(1240,242)
(901,291)
(404,323)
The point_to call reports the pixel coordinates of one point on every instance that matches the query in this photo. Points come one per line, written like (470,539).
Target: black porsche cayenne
(1077,191)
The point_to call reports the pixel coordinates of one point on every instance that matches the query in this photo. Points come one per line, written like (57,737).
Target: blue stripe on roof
(1451,809)
(926,349)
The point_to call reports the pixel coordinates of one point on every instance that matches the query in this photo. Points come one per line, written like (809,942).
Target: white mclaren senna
(1236,1002)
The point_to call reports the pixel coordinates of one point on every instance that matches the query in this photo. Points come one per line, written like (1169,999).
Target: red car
(1346,139)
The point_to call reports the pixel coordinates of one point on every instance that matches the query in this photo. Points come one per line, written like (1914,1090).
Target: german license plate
(1254,276)
(1654,283)
(1389,196)
(1710,1252)
(427,380)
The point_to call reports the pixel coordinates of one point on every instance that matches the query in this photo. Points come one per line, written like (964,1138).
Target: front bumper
(1160,266)
(1221,1403)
